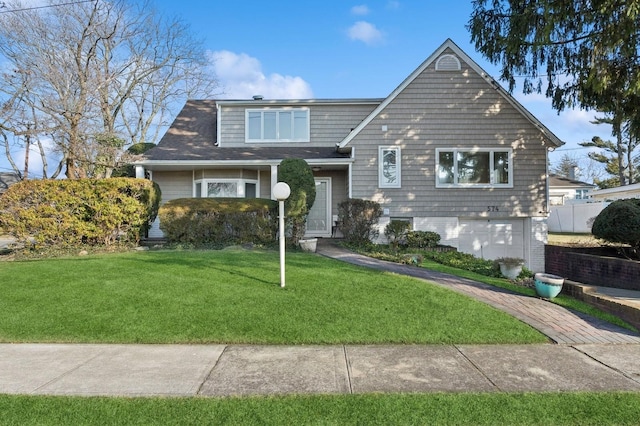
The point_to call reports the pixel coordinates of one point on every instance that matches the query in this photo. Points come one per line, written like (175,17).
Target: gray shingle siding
(451,110)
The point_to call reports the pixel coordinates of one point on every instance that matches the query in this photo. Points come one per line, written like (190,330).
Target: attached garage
(492,238)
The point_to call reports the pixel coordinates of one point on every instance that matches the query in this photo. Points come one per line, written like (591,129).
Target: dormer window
(277,125)
(448,63)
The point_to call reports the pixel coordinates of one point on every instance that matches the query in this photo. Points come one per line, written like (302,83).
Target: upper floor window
(277,125)
(473,167)
(389,167)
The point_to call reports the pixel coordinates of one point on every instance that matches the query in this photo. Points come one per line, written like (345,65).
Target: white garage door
(492,238)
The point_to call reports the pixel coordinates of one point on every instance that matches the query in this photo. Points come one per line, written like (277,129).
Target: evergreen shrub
(619,222)
(358,219)
(219,222)
(296,173)
(70,213)
(395,231)
(422,239)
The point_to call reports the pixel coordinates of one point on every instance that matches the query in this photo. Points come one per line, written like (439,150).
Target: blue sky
(343,49)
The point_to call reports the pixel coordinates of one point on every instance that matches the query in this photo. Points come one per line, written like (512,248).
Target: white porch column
(274,179)
(139,172)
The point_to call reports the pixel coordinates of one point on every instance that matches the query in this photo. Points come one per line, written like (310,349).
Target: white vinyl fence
(574,217)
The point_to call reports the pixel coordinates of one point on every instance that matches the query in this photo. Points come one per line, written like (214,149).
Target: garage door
(490,239)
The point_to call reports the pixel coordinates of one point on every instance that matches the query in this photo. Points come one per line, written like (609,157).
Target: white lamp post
(281,191)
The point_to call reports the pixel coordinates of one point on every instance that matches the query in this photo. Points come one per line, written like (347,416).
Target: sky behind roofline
(327,49)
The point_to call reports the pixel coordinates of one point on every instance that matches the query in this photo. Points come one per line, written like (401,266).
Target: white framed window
(581,194)
(389,170)
(225,188)
(487,168)
(277,125)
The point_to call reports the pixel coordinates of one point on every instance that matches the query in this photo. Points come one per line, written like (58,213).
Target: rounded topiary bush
(619,223)
(299,176)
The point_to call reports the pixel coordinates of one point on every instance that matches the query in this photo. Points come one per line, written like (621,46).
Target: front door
(319,219)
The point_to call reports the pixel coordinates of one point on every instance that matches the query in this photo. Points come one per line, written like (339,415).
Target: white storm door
(319,219)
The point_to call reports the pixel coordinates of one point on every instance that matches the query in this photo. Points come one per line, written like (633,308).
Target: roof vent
(447,63)
(258,97)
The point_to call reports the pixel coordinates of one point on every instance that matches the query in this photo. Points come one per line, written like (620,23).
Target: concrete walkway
(593,356)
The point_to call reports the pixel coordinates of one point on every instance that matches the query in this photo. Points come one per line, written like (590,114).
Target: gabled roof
(192,135)
(565,182)
(449,44)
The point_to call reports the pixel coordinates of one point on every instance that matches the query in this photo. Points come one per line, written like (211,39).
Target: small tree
(395,231)
(299,176)
(358,219)
(619,222)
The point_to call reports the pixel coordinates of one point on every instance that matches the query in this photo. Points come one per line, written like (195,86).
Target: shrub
(395,231)
(299,176)
(70,213)
(465,261)
(422,239)
(619,222)
(358,219)
(219,222)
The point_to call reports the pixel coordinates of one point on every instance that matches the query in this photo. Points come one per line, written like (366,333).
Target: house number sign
(493,208)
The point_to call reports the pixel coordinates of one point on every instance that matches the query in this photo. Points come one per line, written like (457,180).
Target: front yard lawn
(233,296)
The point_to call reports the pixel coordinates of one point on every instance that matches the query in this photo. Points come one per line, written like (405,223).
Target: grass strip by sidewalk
(233,296)
(609,408)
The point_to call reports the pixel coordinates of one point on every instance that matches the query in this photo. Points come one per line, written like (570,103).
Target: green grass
(234,296)
(562,299)
(394,409)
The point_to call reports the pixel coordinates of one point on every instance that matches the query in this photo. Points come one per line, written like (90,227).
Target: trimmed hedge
(219,222)
(71,213)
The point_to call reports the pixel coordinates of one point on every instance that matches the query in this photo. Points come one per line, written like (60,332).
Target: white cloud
(365,32)
(241,77)
(362,9)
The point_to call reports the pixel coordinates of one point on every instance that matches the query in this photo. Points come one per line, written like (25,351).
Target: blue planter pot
(548,286)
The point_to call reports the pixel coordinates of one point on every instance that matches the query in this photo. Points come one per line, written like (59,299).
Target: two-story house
(449,150)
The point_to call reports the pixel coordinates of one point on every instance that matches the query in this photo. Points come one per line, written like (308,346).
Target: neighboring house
(563,189)
(448,150)
(618,193)
(6,180)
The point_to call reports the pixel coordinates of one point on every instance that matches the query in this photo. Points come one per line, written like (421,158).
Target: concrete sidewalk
(225,370)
